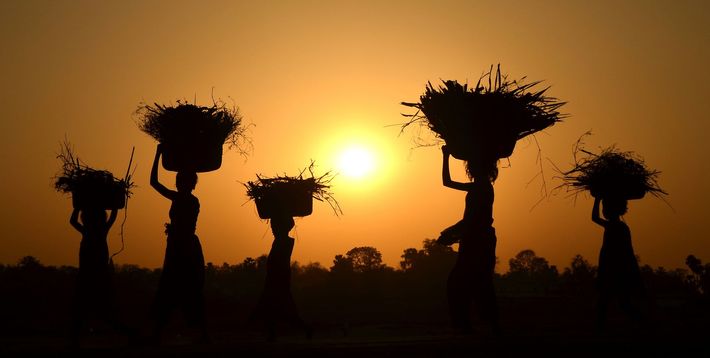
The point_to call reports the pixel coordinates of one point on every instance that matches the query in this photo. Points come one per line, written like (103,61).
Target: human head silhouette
(613,208)
(281,225)
(185,181)
(483,168)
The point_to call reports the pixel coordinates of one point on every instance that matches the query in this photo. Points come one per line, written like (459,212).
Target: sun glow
(356,162)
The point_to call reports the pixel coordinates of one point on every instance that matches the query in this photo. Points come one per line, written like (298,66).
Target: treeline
(357,288)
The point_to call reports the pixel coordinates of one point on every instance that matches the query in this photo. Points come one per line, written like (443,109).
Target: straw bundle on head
(485,120)
(291,195)
(612,174)
(88,186)
(183,121)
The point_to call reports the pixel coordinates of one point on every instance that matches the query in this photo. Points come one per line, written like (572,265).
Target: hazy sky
(318,77)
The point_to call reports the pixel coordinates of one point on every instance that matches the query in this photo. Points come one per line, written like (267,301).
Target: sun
(356,162)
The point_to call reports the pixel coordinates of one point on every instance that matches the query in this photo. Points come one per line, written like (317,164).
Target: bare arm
(112,218)
(595,213)
(74,221)
(160,188)
(446,174)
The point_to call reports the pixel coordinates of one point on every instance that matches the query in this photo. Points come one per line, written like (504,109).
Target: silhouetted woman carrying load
(93,192)
(276,301)
(191,139)
(618,273)
(280,199)
(479,126)
(614,177)
(183,277)
(471,279)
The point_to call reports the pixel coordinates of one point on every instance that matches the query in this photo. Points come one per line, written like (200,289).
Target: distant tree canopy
(432,257)
(409,259)
(527,263)
(29,262)
(341,265)
(249,264)
(365,259)
(700,277)
(579,277)
(425,268)
(530,273)
(580,268)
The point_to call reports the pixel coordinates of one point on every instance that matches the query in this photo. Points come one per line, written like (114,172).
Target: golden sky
(319,77)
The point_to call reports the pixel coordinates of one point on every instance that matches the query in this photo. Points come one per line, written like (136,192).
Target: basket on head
(290,196)
(612,174)
(196,156)
(107,197)
(485,119)
(91,188)
(192,135)
(618,187)
(284,201)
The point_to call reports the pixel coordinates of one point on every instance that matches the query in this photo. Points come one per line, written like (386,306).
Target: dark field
(364,313)
(539,326)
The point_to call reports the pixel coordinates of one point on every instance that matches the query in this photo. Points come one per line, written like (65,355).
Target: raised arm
(111,218)
(446,174)
(74,220)
(160,188)
(595,213)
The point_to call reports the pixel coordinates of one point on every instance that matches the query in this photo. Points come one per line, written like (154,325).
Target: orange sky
(316,76)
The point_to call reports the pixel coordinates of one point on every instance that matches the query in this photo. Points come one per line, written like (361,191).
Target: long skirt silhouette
(183,278)
(619,275)
(94,290)
(471,280)
(276,301)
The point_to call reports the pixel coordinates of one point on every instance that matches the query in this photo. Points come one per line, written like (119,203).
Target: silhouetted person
(471,279)
(618,275)
(183,277)
(94,291)
(276,301)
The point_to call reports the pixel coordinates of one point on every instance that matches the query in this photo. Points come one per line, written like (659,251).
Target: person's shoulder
(624,226)
(619,223)
(194,199)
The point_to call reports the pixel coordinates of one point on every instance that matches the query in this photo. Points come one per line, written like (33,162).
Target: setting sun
(356,162)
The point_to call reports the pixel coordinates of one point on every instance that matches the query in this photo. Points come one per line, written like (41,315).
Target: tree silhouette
(526,262)
(432,257)
(342,265)
(433,249)
(409,259)
(365,259)
(580,269)
(580,276)
(531,273)
(249,264)
(29,263)
(700,278)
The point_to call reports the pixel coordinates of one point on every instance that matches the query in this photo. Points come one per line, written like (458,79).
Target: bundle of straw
(184,121)
(485,119)
(612,173)
(88,186)
(291,195)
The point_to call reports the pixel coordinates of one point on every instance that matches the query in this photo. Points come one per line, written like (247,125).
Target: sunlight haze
(322,81)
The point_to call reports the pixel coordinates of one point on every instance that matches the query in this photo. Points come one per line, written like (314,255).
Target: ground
(391,341)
